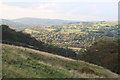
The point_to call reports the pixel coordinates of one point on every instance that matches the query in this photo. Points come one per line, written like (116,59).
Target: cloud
(54,9)
(60,0)
(16,12)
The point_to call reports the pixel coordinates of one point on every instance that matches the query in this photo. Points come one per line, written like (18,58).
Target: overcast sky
(80,10)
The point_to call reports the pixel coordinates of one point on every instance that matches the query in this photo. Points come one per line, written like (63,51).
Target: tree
(103,53)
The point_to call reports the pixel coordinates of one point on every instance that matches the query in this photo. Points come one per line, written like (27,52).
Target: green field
(70,30)
(20,62)
(75,48)
(31,31)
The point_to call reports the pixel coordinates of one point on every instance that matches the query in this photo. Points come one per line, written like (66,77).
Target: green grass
(111,23)
(75,48)
(25,63)
(101,25)
(31,31)
(70,30)
(50,29)
(93,30)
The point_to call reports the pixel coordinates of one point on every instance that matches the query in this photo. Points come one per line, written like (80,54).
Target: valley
(77,36)
(59,40)
(77,47)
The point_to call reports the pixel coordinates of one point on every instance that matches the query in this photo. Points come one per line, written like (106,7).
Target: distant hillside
(13,24)
(37,22)
(10,36)
(20,62)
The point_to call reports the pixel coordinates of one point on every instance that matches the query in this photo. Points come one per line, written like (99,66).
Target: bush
(87,70)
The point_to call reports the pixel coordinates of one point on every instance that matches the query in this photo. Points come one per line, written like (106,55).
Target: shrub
(87,70)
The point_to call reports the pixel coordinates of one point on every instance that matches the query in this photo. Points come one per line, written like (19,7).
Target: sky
(78,10)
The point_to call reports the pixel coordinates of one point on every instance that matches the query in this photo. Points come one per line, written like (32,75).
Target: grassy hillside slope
(20,62)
